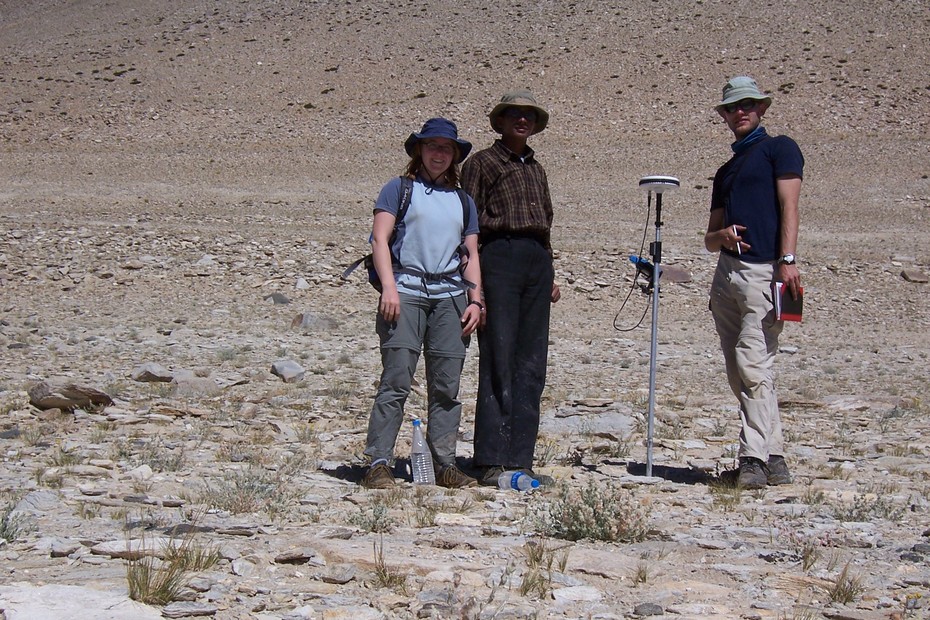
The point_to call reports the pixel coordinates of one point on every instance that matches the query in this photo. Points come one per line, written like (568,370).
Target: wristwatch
(787,259)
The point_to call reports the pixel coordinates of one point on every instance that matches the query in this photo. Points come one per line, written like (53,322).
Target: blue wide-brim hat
(439,128)
(739,88)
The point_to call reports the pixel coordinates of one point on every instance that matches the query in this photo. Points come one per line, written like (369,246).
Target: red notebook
(787,308)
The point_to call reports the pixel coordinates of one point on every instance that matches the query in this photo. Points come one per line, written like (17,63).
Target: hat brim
(739,97)
(413,139)
(542,117)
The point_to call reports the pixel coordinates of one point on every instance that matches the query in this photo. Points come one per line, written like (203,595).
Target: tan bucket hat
(521,98)
(739,88)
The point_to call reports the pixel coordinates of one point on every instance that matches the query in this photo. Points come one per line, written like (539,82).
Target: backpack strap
(463,197)
(406,194)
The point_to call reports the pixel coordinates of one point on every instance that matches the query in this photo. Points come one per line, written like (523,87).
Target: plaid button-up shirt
(511,192)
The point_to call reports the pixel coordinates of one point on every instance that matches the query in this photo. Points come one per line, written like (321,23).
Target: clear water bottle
(421,459)
(518,480)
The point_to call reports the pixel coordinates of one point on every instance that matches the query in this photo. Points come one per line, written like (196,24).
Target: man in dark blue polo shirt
(754,225)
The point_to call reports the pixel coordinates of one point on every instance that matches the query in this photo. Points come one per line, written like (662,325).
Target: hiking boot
(776,471)
(751,474)
(490,476)
(542,479)
(452,477)
(378,476)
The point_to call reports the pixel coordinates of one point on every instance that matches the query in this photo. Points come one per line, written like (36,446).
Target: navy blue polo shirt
(745,188)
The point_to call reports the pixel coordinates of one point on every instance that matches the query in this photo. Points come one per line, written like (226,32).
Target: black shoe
(490,476)
(776,471)
(751,474)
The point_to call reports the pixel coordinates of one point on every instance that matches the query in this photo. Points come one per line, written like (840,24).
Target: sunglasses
(517,113)
(745,105)
(440,147)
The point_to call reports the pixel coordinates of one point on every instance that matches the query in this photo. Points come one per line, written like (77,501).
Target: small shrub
(425,516)
(670,430)
(845,588)
(802,612)
(622,448)
(101,432)
(641,574)
(33,434)
(534,582)
(307,433)
(375,519)
(605,513)
(540,554)
(249,490)
(808,549)
(159,457)
(813,497)
(384,576)
(227,354)
(64,458)
(547,451)
(153,582)
(13,525)
(464,505)
(725,496)
(160,581)
(865,508)
(87,510)
(342,391)
(540,558)
(153,453)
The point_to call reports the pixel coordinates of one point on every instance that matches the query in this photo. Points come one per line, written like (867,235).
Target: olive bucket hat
(521,98)
(739,88)
(439,128)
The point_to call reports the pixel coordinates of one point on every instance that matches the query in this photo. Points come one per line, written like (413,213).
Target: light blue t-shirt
(428,237)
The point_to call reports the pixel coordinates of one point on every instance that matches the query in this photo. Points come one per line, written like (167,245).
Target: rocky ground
(182,183)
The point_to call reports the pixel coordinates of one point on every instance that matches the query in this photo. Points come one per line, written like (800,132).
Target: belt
(488,237)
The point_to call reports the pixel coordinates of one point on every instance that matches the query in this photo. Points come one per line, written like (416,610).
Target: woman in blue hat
(430,298)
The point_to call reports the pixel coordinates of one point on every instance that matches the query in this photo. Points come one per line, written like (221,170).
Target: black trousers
(516,275)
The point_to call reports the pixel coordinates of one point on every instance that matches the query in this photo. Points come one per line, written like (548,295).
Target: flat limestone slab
(54,602)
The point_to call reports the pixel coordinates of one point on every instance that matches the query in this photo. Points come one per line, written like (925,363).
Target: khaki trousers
(744,314)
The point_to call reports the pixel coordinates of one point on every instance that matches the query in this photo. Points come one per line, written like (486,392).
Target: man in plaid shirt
(511,191)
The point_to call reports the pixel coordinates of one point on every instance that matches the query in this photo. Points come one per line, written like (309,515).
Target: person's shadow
(678,475)
(355,473)
(401,470)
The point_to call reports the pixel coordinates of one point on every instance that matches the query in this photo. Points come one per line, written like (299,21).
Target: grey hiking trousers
(433,325)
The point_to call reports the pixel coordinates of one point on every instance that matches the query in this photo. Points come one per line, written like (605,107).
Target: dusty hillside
(167,166)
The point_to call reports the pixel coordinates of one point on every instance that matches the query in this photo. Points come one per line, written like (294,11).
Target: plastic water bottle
(517,480)
(421,459)
(643,266)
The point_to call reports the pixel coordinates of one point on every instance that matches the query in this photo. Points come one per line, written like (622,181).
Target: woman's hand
(389,303)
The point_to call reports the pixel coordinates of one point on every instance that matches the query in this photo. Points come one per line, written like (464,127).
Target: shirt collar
(507,154)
